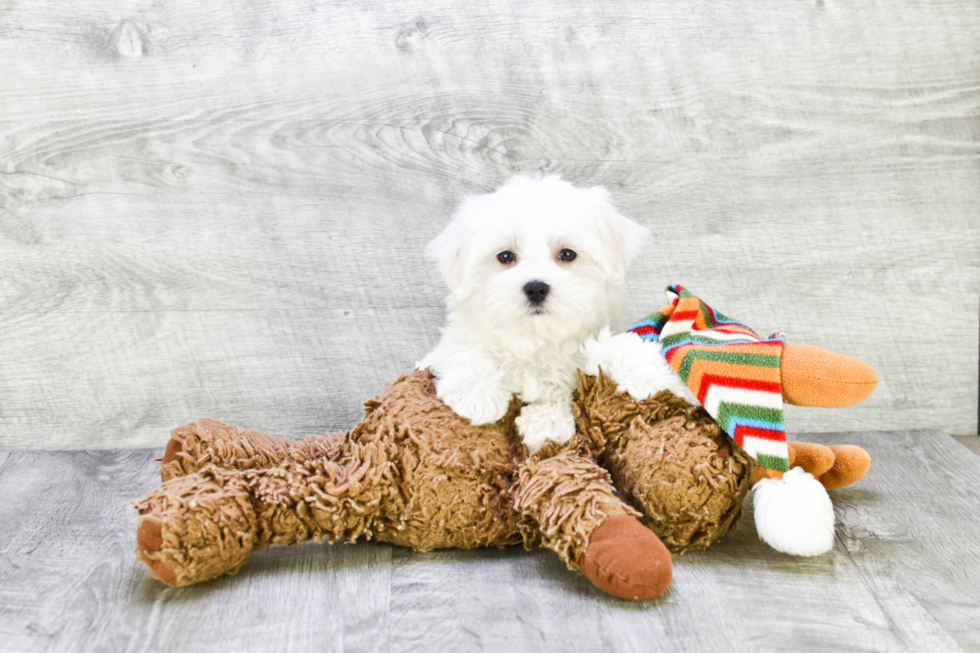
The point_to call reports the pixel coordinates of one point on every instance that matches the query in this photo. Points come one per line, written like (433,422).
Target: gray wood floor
(219,208)
(903,576)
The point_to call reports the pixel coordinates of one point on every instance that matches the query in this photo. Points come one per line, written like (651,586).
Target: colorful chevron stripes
(731,370)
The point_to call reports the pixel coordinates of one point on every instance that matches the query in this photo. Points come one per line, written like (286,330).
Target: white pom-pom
(794,514)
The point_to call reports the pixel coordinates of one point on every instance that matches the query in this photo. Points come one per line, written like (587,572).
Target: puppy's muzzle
(537,292)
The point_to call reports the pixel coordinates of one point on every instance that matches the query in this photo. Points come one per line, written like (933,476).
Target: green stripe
(778,463)
(728,410)
(735,358)
(709,340)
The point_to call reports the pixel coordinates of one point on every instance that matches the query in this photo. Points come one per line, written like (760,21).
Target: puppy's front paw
(540,422)
(481,403)
(637,366)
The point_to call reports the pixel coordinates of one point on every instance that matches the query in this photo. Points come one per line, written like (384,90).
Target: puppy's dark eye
(567,255)
(506,257)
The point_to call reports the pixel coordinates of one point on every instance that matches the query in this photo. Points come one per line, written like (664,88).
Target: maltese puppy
(535,268)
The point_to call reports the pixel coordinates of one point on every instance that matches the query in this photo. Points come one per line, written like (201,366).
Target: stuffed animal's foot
(625,559)
(149,542)
(812,376)
(197,527)
(851,463)
(793,513)
(568,503)
(835,467)
(815,459)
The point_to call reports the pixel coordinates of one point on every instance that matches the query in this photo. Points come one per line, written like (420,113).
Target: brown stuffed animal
(413,473)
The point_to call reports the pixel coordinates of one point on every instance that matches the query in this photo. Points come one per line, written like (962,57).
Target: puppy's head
(538,258)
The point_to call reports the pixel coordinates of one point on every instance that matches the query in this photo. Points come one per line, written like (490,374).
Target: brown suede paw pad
(149,539)
(625,559)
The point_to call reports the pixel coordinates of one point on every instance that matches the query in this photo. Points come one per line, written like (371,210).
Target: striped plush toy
(732,371)
(742,380)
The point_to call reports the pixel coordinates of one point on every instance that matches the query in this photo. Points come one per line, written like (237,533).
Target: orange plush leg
(816,377)
(851,463)
(815,459)
(835,466)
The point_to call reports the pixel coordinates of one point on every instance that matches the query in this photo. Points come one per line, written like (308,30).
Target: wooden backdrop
(219,208)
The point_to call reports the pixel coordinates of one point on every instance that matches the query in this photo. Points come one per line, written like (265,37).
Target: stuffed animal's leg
(569,502)
(669,458)
(686,477)
(836,466)
(197,527)
(851,463)
(210,442)
(202,525)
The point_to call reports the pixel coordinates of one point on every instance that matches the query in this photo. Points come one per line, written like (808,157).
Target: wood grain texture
(211,209)
(902,576)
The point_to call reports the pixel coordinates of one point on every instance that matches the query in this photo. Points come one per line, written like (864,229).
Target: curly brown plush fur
(413,473)
(669,459)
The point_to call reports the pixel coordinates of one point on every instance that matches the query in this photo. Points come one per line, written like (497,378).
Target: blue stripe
(758,423)
(683,343)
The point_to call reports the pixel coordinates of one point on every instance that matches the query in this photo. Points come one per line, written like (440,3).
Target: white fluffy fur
(635,365)
(495,344)
(794,514)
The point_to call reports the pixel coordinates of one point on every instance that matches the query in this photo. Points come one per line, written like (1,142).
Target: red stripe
(741,431)
(734,328)
(708,380)
(643,330)
(685,315)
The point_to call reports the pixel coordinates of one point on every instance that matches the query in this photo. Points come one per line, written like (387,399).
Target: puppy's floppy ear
(623,239)
(449,248)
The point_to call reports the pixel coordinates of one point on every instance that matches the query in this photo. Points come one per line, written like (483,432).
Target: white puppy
(535,268)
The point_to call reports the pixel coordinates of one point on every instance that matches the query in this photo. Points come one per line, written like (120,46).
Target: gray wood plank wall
(219,208)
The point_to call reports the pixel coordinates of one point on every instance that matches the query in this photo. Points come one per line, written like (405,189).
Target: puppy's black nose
(536,291)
